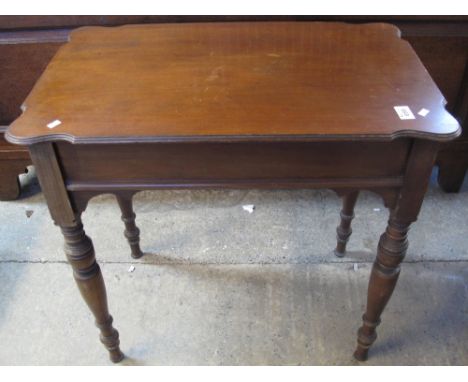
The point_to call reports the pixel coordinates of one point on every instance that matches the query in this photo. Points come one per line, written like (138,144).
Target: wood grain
(222,81)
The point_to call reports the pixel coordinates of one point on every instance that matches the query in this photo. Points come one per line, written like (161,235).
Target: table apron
(233,165)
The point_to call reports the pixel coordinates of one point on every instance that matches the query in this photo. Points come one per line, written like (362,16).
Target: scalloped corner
(392,28)
(72,36)
(447,137)
(13,139)
(34,139)
(396,30)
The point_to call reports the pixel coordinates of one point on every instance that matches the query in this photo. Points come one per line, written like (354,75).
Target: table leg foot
(110,339)
(87,273)
(343,231)
(385,271)
(366,337)
(132,233)
(361,354)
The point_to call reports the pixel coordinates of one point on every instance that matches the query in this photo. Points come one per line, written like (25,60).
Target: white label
(404,112)
(249,208)
(53,124)
(423,112)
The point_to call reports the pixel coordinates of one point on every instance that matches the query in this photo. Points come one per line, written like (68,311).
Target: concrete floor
(220,286)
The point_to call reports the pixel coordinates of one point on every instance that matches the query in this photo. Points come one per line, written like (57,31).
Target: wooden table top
(233,81)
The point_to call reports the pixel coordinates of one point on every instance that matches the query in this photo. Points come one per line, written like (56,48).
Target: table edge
(27,141)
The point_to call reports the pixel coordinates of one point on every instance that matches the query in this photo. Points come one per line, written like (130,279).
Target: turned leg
(393,243)
(80,253)
(132,233)
(343,231)
(385,271)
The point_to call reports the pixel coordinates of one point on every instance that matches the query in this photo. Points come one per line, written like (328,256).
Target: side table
(234,105)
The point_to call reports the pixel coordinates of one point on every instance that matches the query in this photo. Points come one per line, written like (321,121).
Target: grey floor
(220,286)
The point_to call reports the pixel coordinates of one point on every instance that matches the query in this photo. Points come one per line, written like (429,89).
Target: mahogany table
(234,105)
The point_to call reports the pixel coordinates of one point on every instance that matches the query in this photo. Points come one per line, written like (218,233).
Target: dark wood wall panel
(437,53)
(412,24)
(20,67)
